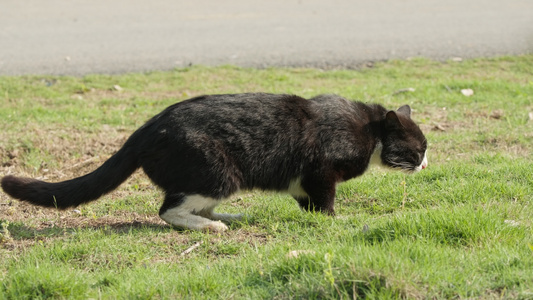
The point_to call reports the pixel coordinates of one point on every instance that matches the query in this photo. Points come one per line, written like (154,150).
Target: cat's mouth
(407,167)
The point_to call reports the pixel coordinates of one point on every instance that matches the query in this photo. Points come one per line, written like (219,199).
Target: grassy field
(462,228)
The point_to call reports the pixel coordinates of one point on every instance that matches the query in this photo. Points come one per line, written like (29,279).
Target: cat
(202,150)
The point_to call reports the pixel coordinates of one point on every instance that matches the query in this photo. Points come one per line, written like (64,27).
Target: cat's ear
(405,110)
(392,119)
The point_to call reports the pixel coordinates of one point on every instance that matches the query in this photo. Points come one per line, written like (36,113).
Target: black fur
(216,145)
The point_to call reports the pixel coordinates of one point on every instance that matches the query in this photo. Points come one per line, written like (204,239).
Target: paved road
(102,36)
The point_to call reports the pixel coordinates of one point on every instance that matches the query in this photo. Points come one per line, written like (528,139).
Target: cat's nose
(424,162)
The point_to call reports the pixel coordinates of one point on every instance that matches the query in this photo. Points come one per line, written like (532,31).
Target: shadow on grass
(18,231)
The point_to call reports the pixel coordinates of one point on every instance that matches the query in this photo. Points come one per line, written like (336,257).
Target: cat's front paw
(216,226)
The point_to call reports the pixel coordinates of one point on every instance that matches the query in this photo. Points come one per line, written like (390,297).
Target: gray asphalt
(79,37)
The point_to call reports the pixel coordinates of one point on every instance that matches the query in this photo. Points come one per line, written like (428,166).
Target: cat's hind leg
(188,211)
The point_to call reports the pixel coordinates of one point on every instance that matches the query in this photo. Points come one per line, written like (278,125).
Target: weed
(5,236)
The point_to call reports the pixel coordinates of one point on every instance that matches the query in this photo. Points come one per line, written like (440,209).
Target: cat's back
(246,109)
(250,103)
(332,108)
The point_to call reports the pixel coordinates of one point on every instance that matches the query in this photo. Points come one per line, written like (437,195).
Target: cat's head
(404,146)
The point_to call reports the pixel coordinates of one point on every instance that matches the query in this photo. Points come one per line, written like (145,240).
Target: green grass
(462,228)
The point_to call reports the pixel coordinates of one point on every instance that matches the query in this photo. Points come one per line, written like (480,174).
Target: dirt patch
(37,219)
(124,94)
(58,152)
(43,228)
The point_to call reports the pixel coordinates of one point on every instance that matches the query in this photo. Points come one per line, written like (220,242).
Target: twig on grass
(406,90)
(191,248)
(82,164)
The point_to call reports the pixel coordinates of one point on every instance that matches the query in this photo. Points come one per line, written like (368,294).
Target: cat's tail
(79,190)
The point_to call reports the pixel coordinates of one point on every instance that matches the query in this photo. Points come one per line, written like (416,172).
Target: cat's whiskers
(403,166)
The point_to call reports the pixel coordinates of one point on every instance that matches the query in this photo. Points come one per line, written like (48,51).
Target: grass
(462,228)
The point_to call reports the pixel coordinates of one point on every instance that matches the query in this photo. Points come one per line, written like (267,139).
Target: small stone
(511,223)
(467,92)
(297,253)
(439,127)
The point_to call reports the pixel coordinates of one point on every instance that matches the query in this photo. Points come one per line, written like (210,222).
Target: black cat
(201,151)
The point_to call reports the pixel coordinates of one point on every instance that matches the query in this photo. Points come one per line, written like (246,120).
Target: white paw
(215,226)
